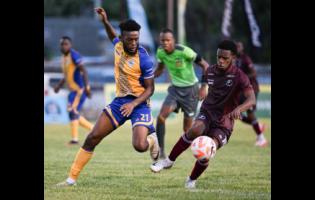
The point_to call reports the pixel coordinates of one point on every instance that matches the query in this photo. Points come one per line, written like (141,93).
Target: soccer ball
(203,147)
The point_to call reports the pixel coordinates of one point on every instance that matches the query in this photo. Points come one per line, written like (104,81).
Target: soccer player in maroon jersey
(218,111)
(245,63)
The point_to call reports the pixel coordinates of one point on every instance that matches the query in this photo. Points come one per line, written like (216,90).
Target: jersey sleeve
(189,54)
(115,41)
(146,65)
(244,82)
(159,56)
(76,57)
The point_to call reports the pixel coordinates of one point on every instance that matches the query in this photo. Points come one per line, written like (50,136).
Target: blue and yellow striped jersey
(130,71)
(72,73)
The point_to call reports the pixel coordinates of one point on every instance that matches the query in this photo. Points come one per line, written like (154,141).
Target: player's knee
(91,141)
(251,117)
(194,132)
(140,146)
(186,129)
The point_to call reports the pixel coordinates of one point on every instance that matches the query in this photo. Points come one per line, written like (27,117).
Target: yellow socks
(74,130)
(79,162)
(85,123)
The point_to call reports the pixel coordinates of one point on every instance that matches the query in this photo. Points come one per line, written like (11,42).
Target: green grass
(238,171)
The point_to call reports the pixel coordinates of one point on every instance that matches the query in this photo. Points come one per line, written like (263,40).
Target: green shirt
(179,64)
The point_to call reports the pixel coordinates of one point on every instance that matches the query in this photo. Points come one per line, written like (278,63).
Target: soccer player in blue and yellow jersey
(76,78)
(134,79)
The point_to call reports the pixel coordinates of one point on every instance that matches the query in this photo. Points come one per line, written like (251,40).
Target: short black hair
(167,30)
(129,25)
(66,38)
(228,45)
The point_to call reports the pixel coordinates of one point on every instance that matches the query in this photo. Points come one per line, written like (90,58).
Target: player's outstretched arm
(108,27)
(159,70)
(249,102)
(86,80)
(127,108)
(59,85)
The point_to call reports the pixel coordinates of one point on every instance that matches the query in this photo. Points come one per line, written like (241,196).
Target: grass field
(238,171)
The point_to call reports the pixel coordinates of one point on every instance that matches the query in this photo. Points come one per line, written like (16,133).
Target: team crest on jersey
(229,83)
(210,81)
(202,117)
(178,62)
(131,62)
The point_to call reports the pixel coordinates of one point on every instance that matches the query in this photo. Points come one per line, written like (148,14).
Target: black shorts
(184,98)
(216,128)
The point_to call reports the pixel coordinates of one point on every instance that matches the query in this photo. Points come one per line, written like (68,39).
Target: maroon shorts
(219,128)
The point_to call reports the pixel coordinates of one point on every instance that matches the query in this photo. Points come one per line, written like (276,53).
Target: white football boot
(67,183)
(190,184)
(161,164)
(261,141)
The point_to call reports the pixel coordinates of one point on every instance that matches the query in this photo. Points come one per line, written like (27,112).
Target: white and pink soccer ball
(203,147)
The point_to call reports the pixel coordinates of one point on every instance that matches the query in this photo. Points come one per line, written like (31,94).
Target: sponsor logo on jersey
(229,83)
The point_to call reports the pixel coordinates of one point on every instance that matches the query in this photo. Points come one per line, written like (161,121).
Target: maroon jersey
(223,94)
(246,65)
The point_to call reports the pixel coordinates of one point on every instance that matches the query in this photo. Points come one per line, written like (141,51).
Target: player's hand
(202,93)
(88,92)
(70,108)
(235,114)
(127,109)
(101,13)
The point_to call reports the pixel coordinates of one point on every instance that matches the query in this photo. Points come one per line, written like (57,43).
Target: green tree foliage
(66,8)
(203,21)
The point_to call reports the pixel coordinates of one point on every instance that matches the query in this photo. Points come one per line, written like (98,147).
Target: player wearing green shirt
(184,91)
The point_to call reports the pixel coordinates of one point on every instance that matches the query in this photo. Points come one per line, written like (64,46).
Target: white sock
(70,180)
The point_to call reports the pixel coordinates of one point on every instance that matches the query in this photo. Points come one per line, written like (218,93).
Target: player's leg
(169,105)
(144,136)
(185,140)
(85,123)
(102,128)
(165,111)
(258,128)
(187,123)
(220,137)
(182,144)
(74,119)
(82,120)
(139,138)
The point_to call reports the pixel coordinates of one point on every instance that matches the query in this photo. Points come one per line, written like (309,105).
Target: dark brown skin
(127,108)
